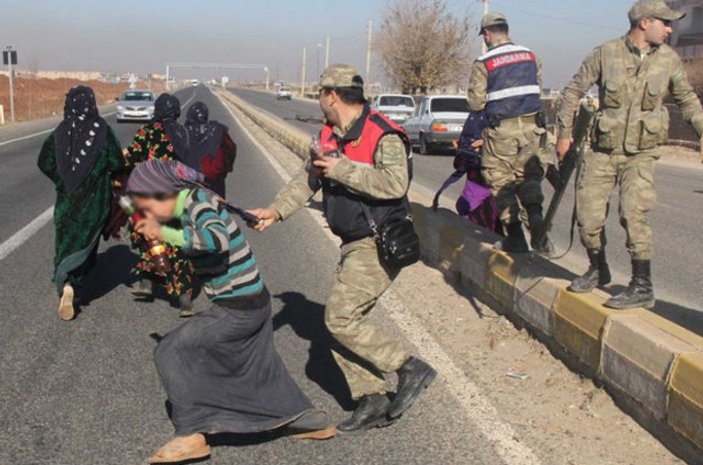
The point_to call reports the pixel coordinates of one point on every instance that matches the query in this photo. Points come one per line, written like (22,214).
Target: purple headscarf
(154,177)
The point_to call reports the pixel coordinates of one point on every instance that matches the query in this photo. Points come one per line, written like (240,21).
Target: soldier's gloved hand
(563,146)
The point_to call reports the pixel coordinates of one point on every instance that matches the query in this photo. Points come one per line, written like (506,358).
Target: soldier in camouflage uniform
(364,160)
(633,75)
(506,83)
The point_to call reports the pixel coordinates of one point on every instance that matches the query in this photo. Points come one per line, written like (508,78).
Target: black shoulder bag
(397,241)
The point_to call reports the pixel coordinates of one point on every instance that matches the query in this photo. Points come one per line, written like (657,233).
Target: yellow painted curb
(685,412)
(578,325)
(500,278)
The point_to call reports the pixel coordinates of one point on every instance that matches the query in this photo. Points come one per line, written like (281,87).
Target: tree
(423,46)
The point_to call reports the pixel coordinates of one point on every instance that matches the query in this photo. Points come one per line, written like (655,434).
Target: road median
(652,364)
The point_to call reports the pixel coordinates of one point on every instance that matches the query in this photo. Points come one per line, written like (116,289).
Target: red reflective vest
(342,207)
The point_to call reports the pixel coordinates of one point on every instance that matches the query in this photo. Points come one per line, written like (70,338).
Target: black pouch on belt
(398,243)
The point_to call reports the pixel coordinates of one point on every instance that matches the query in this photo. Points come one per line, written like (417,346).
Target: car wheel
(423,145)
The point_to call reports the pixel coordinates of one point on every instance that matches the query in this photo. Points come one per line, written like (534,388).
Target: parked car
(284,93)
(135,105)
(437,122)
(398,108)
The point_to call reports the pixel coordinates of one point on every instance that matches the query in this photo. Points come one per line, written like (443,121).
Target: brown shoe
(182,449)
(66,310)
(317,435)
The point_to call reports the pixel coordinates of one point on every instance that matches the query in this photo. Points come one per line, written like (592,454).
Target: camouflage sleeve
(478,86)
(685,97)
(387,180)
(540,74)
(294,195)
(571,96)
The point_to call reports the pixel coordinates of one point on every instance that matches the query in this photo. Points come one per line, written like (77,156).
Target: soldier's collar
(354,128)
(500,43)
(634,49)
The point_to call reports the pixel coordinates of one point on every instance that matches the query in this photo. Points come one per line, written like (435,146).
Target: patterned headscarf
(167,109)
(80,137)
(156,177)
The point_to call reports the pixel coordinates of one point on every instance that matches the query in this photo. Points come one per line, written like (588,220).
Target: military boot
(539,240)
(598,273)
(515,242)
(371,413)
(640,292)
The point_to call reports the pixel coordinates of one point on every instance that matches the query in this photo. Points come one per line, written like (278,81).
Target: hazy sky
(131,35)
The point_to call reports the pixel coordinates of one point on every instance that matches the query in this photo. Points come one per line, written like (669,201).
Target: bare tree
(694,69)
(423,46)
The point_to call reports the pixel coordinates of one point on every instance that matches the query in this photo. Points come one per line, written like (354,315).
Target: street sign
(9,57)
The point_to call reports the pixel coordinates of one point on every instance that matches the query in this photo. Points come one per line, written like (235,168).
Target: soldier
(365,161)
(506,84)
(633,74)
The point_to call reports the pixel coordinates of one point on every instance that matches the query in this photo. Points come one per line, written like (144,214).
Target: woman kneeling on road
(81,157)
(220,369)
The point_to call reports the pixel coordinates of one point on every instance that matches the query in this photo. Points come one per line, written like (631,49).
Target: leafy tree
(423,46)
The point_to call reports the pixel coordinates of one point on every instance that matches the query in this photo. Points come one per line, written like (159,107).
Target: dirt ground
(564,418)
(41,98)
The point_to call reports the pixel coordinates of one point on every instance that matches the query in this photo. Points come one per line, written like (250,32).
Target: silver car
(398,108)
(135,105)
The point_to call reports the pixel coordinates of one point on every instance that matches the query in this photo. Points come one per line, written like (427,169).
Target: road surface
(678,263)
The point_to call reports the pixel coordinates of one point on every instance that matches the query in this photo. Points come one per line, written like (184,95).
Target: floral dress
(151,142)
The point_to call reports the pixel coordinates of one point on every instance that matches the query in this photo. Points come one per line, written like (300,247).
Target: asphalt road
(86,392)
(677,267)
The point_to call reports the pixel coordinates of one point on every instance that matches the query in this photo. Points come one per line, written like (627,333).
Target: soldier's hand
(326,164)
(563,146)
(477,145)
(268,217)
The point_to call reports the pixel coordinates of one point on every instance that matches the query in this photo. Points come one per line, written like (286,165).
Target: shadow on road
(112,269)
(306,318)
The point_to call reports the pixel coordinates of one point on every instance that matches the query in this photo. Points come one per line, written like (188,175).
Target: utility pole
(327,52)
(367,77)
(302,74)
(486,9)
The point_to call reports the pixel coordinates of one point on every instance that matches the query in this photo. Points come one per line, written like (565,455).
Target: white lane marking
(477,409)
(21,236)
(46,131)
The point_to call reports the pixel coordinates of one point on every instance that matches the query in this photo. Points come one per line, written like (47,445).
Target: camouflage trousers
(512,166)
(634,174)
(365,351)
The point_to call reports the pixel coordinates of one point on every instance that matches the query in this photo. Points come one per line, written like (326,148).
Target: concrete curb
(654,364)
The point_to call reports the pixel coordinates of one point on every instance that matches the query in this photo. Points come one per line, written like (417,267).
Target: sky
(142,35)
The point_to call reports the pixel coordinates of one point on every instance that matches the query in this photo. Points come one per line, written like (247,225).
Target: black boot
(185,303)
(413,377)
(371,413)
(515,242)
(640,292)
(539,240)
(598,273)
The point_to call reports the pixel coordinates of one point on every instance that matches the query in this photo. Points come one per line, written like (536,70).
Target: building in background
(688,33)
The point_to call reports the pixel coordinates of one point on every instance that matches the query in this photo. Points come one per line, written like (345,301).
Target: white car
(398,108)
(284,93)
(438,121)
(135,105)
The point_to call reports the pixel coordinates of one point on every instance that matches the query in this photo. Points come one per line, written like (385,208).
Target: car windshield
(285,89)
(394,101)
(137,96)
(452,105)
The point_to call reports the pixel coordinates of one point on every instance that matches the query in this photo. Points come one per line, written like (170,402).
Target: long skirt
(222,374)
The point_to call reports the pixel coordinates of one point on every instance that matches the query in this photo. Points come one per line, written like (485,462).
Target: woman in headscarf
(206,146)
(156,141)
(221,371)
(82,157)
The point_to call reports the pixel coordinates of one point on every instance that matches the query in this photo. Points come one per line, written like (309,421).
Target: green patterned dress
(81,215)
(151,142)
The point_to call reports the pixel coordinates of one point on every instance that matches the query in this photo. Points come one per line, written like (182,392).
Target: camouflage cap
(341,76)
(492,19)
(653,9)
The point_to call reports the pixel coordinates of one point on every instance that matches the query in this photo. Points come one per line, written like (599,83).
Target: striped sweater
(216,246)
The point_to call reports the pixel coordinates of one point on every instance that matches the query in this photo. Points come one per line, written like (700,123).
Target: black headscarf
(167,109)
(79,138)
(202,136)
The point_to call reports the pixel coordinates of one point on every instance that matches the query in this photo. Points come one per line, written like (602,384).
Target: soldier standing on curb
(364,162)
(633,74)
(506,84)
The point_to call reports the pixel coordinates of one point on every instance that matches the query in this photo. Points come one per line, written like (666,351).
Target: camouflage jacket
(389,179)
(632,86)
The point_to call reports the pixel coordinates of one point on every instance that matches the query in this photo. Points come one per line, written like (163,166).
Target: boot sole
(380,423)
(66,310)
(648,305)
(396,412)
